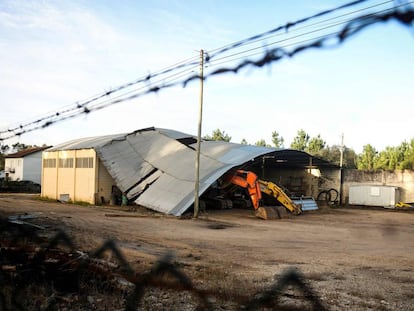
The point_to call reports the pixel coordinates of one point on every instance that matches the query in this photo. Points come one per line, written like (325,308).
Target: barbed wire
(236,56)
(28,260)
(81,106)
(284,27)
(291,30)
(186,75)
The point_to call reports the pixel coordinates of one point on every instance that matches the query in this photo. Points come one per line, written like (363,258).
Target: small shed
(374,195)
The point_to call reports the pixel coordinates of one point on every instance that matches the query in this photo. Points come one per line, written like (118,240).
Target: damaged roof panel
(231,153)
(123,164)
(156,168)
(86,143)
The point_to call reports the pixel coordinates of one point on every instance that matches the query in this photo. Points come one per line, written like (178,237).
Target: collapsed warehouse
(154,168)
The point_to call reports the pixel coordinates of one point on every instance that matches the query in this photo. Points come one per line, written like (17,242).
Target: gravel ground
(350,258)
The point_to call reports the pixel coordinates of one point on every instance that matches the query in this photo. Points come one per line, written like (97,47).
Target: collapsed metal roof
(155,167)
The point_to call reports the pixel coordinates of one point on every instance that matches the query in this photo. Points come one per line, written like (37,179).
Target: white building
(25,165)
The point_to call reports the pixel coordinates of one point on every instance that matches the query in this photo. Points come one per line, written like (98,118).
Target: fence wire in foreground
(46,274)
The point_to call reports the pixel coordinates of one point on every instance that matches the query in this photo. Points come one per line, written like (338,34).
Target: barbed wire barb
(404,14)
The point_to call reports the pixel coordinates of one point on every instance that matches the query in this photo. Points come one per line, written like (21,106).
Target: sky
(57,54)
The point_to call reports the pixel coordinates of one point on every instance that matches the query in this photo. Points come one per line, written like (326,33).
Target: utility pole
(341,161)
(200,118)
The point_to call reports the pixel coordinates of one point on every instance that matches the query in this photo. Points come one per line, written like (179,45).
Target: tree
(300,142)
(218,135)
(277,140)
(367,158)
(262,143)
(408,159)
(350,158)
(400,157)
(333,154)
(315,145)
(3,151)
(387,159)
(20,146)
(244,142)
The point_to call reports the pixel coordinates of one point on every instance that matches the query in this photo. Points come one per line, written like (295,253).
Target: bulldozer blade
(272,212)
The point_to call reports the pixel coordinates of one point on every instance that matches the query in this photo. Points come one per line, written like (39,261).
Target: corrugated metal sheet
(86,143)
(307,204)
(155,167)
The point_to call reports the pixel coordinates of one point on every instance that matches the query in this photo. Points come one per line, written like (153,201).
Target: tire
(333,195)
(324,195)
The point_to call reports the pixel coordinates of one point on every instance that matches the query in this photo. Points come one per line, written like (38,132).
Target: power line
(184,76)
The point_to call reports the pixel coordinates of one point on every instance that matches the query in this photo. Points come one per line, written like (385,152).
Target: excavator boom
(275,191)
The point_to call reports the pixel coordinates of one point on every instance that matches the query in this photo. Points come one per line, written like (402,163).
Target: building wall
(312,182)
(32,167)
(84,172)
(14,168)
(297,181)
(105,184)
(75,175)
(49,174)
(404,179)
(307,182)
(25,168)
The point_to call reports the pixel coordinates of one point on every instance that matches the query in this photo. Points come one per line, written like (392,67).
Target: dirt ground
(353,259)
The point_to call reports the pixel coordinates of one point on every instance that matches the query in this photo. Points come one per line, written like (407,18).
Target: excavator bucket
(271,212)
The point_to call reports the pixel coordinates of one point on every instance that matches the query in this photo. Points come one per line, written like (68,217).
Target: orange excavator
(255,187)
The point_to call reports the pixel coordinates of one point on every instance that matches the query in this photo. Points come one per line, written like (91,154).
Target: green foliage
(315,145)
(333,154)
(304,142)
(368,157)
(262,143)
(218,135)
(300,142)
(399,157)
(391,158)
(277,140)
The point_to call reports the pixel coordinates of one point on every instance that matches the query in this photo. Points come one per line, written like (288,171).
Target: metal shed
(154,167)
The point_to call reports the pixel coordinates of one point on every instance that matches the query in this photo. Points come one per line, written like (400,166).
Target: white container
(374,195)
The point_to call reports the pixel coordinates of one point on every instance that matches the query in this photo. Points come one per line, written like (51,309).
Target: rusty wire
(404,16)
(42,262)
